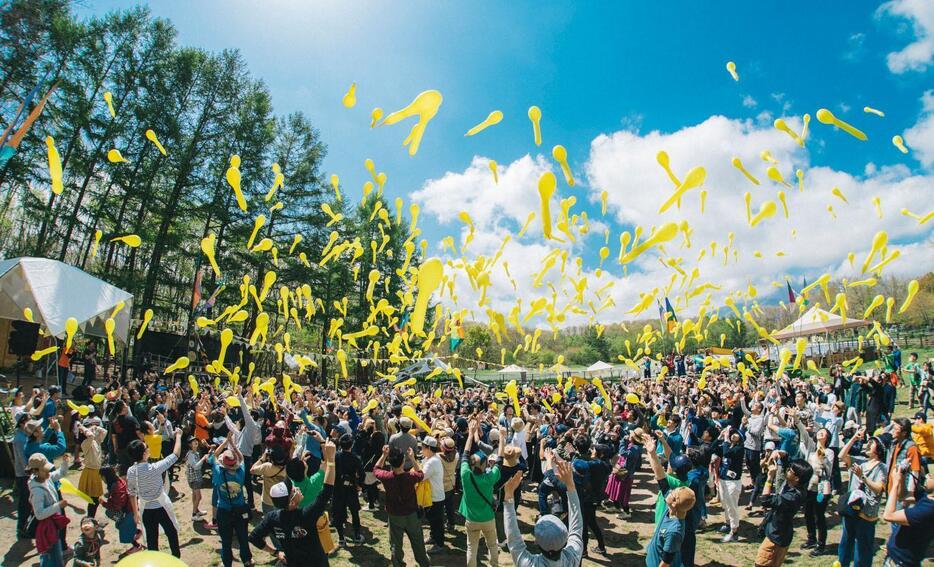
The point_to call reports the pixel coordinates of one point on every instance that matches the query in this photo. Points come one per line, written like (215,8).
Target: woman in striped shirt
(144,481)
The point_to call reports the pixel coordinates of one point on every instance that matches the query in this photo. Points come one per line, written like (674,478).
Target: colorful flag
(661,316)
(670,315)
(791,293)
(196,294)
(804,284)
(457,336)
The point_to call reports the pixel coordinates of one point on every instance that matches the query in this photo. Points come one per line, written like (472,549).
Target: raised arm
(650,450)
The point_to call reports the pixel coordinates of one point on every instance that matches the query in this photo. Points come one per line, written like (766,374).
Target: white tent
(513,369)
(55,291)
(599,366)
(818,322)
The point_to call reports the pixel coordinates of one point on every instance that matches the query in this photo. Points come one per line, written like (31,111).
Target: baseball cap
(431,443)
(92,421)
(922,416)
(448,444)
(517,424)
(550,533)
(279,490)
(681,465)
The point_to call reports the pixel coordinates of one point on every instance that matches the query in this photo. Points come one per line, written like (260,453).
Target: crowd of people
(276,473)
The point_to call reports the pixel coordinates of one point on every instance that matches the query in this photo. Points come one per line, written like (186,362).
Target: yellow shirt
(923,436)
(154,442)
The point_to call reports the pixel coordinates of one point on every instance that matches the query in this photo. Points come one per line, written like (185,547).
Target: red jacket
(47,531)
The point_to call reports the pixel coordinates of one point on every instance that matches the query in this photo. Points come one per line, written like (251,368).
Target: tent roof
(55,291)
(598,366)
(512,369)
(818,321)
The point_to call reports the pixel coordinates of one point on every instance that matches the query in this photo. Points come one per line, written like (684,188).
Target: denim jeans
(53,556)
(230,522)
(856,542)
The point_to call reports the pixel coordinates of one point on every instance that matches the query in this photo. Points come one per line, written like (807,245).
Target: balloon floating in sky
(913,287)
(781,125)
(207,246)
(561,156)
(731,69)
(493,168)
(350,98)
(151,136)
(109,326)
(547,184)
(109,99)
(131,240)
(695,178)
(180,364)
(375,116)
(71,327)
(776,176)
(738,164)
(767,210)
(535,115)
(494,118)
(824,116)
(899,143)
(233,179)
(114,156)
(147,317)
(428,280)
(870,110)
(55,166)
(425,106)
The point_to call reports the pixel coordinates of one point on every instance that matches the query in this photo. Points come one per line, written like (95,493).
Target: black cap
(922,416)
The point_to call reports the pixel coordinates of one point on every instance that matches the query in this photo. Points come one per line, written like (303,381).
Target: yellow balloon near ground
(98,398)
(151,559)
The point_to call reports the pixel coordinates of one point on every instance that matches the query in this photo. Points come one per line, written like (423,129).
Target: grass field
(625,540)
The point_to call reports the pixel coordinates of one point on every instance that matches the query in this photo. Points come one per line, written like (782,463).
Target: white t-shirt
(434,473)
(519,440)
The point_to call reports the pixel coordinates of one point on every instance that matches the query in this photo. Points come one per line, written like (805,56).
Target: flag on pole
(661,316)
(457,336)
(196,293)
(791,292)
(670,316)
(804,284)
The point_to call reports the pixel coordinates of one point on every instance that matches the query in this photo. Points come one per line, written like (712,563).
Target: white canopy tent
(55,291)
(513,369)
(817,321)
(599,366)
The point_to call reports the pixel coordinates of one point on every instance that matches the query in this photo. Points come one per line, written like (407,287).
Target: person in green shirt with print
(913,372)
(477,504)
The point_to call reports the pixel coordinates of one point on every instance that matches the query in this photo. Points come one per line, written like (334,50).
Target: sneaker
(809,544)
(359,538)
(623,515)
(817,551)
(729,537)
(597,549)
(724,529)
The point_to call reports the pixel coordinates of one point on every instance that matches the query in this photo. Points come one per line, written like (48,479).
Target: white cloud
(917,55)
(749,102)
(624,164)
(920,137)
(488,203)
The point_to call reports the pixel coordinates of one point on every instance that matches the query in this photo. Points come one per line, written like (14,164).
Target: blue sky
(593,68)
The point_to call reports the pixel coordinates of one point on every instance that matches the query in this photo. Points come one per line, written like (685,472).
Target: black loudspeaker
(23,338)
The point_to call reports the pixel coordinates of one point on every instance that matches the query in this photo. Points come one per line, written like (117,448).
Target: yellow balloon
(147,317)
(98,398)
(824,116)
(109,326)
(233,402)
(494,118)
(55,166)
(114,156)
(350,98)
(409,412)
(67,487)
(180,364)
(151,136)
(194,384)
(131,240)
(425,106)
(561,156)
(151,559)
(731,69)
(633,398)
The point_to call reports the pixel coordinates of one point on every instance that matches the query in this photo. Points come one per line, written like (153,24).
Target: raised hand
(513,483)
(563,472)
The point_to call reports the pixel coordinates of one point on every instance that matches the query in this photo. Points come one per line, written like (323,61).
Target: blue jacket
(53,446)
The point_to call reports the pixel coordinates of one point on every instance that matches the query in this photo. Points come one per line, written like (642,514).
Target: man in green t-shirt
(680,465)
(310,486)
(477,501)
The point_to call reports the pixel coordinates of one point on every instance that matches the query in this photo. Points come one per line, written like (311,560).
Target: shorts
(195,484)
(770,555)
